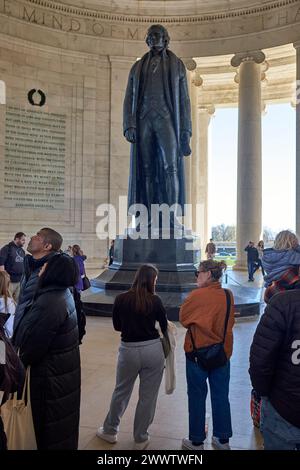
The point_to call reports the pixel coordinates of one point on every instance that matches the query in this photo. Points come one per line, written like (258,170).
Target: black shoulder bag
(213,356)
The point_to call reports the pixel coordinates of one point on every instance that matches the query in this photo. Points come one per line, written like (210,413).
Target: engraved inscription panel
(34,164)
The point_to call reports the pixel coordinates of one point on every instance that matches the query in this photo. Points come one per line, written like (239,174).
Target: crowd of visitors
(254,258)
(41,328)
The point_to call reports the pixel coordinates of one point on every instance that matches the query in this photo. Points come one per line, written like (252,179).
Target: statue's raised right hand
(130,135)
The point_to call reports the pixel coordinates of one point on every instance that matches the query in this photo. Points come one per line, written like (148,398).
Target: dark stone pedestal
(176,264)
(99,302)
(174,258)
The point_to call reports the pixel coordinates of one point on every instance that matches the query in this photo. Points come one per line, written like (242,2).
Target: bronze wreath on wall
(42,99)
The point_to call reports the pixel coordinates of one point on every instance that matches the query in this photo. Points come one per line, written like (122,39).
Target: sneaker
(141,445)
(218,445)
(111,438)
(188,445)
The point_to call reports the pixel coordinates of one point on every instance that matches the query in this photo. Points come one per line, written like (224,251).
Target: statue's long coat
(176,93)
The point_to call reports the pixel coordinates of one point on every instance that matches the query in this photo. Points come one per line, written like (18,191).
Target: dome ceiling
(167,7)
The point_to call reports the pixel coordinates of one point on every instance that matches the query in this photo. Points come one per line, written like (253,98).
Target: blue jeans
(278,433)
(218,379)
(251,269)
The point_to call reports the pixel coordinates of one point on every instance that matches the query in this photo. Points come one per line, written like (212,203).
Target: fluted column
(200,176)
(249,172)
(297,101)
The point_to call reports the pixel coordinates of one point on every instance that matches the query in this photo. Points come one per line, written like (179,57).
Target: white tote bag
(170,369)
(17,419)
(170,364)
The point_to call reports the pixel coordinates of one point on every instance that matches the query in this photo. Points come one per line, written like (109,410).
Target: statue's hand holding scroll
(185,143)
(130,135)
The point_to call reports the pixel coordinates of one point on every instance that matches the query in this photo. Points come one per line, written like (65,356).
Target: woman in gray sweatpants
(140,355)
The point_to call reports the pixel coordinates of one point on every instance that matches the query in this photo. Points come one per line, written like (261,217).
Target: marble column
(249,172)
(297,101)
(200,176)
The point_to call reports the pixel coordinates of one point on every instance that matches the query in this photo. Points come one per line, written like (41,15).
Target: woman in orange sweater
(204,315)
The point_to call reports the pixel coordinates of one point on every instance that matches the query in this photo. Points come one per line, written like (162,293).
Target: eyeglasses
(198,272)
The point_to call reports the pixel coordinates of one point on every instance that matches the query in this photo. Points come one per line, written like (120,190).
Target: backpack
(7,264)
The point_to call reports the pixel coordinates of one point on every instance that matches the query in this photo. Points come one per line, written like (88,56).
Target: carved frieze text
(88,22)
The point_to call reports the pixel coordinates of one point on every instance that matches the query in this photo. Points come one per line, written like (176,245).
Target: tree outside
(223,233)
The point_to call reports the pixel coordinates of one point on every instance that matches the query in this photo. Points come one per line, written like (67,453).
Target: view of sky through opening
(278,173)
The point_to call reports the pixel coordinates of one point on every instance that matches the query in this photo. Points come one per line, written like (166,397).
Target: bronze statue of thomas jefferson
(157,122)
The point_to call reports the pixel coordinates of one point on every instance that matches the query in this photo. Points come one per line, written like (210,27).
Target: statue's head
(157,37)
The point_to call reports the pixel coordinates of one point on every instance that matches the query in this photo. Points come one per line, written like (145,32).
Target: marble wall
(33,162)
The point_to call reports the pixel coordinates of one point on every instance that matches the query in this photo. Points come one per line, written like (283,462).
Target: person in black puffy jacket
(47,337)
(11,374)
(275,370)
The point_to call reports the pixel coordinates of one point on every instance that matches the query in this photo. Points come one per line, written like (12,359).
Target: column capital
(296,45)
(197,80)
(189,63)
(207,109)
(255,56)
(264,67)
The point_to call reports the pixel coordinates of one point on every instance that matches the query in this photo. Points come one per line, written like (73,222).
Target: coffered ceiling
(172,7)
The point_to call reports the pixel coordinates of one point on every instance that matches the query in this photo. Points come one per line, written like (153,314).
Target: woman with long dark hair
(140,355)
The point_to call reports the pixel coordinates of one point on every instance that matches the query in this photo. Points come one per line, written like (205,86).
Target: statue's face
(155,39)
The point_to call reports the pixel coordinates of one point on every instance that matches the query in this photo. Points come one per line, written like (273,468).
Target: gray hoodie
(276,262)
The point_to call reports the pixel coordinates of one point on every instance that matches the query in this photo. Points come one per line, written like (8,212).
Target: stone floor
(98,355)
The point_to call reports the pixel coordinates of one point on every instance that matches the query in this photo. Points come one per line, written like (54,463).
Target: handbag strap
(26,387)
(25,392)
(228,305)
(192,339)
